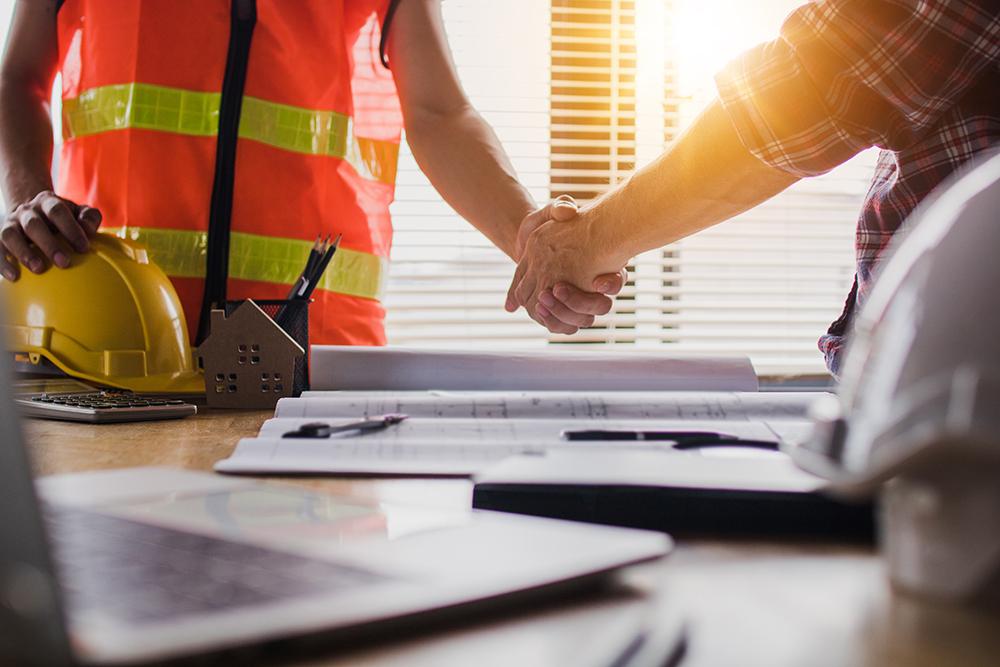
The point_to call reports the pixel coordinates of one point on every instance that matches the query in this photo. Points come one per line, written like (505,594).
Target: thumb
(610,283)
(563,210)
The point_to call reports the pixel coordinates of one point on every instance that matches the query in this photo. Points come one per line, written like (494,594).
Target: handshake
(569,266)
(566,272)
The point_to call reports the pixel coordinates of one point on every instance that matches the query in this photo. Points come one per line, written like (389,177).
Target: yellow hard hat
(111,317)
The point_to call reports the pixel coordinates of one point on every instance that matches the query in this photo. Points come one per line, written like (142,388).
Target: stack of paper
(452,430)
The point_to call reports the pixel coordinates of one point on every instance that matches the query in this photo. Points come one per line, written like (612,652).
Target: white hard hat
(917,418)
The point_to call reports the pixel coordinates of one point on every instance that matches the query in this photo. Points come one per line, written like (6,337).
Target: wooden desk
(749,603)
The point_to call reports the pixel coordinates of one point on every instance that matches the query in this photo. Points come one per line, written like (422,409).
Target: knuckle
(9,233)
(34,225)
(43,195)
(55,207)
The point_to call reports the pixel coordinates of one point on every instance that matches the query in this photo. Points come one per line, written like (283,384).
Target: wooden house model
(249,361)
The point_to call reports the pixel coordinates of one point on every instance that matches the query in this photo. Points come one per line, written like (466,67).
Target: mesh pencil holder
(294,315)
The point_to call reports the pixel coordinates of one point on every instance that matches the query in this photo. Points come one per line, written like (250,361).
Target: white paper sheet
(498,431)
(553,405)
(460,447)
(372,457)
(648,468)
(334,367)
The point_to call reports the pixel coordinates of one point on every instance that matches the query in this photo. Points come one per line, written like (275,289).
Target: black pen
(681,439)
(317,430)
(597,434)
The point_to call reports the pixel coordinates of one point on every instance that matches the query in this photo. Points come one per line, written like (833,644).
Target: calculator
(69,400)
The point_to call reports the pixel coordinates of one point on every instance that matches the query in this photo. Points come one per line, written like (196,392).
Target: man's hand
(31,235)
(561,307)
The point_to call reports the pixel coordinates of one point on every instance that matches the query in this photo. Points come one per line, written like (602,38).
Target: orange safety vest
(226,136)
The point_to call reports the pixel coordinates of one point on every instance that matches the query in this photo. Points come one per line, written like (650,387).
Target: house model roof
(247,321)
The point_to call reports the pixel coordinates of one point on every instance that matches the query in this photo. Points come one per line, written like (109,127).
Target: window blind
(611,84)
(447,282)
(766,283)
(579,92)
(594,131)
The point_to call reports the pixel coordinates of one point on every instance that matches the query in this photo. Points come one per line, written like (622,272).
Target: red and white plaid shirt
(920,79)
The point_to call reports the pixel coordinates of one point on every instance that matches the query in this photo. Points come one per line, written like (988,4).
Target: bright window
(580,92)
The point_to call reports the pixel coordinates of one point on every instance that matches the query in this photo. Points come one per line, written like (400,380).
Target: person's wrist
(509,243)
(609,246)
(25,194)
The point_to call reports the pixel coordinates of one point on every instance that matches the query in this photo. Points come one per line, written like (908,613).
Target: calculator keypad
(103,406)
(103,400)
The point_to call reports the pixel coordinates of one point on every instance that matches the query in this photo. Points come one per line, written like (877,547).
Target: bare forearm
(705,177)
(38,222)
(465,162)
(25,140)
(26,74)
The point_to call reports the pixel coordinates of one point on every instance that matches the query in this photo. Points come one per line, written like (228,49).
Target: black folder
(683,493)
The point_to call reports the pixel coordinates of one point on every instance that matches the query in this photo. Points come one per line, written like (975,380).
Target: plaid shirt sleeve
(845,75)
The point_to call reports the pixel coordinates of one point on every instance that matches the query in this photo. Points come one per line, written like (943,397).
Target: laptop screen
(32,629)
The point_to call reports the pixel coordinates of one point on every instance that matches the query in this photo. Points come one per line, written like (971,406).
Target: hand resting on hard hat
(42,230)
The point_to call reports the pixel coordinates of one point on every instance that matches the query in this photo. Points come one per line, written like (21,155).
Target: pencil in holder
(292,315)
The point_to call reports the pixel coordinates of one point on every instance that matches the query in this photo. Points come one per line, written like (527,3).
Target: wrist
(513,229)
(612,247)
(22,193)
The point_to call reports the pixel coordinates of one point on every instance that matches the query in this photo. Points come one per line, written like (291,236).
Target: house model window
(249,360)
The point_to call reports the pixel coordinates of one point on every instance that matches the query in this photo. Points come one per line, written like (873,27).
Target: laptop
(152,564)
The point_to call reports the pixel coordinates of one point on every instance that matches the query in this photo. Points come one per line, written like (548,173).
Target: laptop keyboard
(141,573)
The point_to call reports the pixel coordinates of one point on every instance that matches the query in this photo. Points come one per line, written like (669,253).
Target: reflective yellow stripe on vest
(182,253)
(307,131)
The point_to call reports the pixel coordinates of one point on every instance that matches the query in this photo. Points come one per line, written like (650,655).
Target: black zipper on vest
(242,21)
